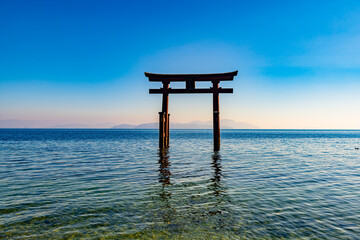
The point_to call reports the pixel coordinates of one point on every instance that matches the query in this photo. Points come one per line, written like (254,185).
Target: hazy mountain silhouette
(79,125)
(225,124)
(14,123)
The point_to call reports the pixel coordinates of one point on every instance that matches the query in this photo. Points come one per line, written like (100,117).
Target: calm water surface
(115,184)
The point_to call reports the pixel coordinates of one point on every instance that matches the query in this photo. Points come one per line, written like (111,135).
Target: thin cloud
(202,57)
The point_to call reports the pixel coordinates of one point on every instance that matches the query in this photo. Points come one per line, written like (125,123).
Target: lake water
(116,184)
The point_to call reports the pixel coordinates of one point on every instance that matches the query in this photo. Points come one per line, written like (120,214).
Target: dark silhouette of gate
(190,80)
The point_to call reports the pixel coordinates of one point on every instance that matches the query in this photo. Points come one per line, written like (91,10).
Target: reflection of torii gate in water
(190,79)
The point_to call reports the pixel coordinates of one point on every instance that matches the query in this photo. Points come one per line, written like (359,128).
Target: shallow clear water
(267,184)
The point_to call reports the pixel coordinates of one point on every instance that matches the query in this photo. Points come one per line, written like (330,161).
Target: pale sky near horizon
(84,61)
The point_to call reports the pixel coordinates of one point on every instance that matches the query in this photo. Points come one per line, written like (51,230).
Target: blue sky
(83,61)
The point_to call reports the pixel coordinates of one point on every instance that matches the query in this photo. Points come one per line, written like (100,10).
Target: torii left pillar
(164,118)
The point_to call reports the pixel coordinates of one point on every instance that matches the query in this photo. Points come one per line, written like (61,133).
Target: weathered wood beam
(155,77)
(190,91)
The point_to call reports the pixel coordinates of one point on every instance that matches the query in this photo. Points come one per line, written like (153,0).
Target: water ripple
(267,184)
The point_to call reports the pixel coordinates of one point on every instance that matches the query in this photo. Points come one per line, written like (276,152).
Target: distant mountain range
(14,123)
(225,124)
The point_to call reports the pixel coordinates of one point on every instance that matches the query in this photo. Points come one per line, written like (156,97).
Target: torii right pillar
(216,117)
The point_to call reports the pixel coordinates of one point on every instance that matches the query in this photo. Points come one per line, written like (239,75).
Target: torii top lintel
(155,77)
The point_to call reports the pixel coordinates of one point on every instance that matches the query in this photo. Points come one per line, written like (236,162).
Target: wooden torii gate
(190,79)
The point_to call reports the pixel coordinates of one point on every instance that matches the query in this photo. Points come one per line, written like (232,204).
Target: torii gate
(190,79)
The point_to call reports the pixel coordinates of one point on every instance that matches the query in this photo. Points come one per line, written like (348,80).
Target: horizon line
(45,128)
